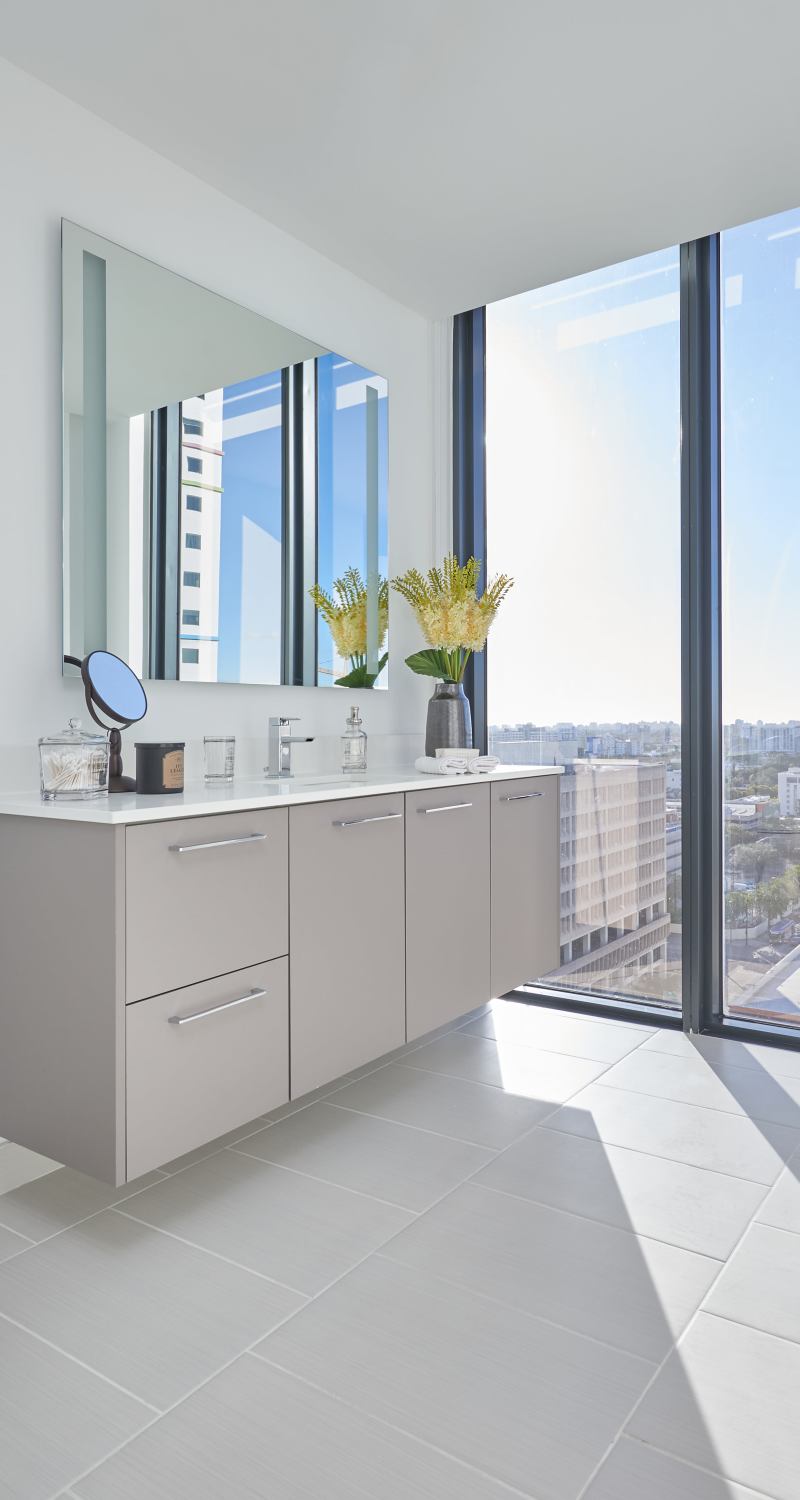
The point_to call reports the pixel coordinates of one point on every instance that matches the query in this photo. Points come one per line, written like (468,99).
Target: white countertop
(244,796)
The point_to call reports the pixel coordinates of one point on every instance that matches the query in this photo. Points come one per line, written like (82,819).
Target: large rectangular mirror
(225,484)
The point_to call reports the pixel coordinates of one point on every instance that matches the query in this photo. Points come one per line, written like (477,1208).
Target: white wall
(59,160)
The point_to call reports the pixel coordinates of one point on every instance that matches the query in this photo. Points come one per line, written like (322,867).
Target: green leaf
(360,677)
(430,663)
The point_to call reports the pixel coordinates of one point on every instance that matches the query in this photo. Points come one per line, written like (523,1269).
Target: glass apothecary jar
(73,765)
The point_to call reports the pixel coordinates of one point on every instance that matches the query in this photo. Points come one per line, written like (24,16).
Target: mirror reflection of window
(352,477)
(233,515)
(217,466)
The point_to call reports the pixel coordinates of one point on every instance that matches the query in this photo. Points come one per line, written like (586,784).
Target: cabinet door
(347,1002)
(447,905)
(525,880)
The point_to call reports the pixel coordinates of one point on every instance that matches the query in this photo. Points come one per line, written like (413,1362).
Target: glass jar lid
(73,735)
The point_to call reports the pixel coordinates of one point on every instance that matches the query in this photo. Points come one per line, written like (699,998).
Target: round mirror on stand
(114,691)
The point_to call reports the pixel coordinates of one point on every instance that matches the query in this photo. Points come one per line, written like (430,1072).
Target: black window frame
(701,630)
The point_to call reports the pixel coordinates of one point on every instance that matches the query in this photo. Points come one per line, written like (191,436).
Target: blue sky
(252,506)
(583,460)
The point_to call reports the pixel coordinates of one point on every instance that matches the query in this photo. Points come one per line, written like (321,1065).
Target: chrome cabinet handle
(375,818)
(448,807)
(247,838)
(200,1015)
(520,796)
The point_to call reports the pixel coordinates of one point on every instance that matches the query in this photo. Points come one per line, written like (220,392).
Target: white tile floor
(539,1255)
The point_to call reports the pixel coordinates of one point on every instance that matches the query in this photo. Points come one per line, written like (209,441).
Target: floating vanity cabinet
(204,896)
(203,1060)
(172,969)
(347,940)
(525,880)
(447,905)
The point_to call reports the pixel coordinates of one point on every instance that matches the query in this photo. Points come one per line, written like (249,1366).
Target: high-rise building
(200,502)
(615,921)
(789,792)
(614,914)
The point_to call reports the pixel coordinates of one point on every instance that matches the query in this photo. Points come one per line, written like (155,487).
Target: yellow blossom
(345,612)
(454,621)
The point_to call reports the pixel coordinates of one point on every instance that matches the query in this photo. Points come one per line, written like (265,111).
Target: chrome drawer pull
(520,796)
(247,838)
(448,807)
(375,818)
(200,1015)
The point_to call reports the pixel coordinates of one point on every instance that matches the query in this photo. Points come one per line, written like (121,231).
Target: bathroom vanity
(172,967)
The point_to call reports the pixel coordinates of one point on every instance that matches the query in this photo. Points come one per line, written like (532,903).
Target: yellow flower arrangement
(344,611)
(454,620)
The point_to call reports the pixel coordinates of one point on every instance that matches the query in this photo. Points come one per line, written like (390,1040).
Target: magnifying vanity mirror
(222,475)
(113,691)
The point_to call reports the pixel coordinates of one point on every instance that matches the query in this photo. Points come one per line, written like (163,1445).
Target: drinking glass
(219,751)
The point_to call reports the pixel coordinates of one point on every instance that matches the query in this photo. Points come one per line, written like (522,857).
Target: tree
(777,897)
(753,859)
(741,909)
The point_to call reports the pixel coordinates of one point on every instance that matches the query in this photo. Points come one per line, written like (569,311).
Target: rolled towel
(432,765)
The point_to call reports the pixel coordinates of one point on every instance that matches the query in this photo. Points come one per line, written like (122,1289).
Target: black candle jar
(159,767)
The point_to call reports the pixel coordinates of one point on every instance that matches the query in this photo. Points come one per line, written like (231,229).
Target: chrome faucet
(280,745)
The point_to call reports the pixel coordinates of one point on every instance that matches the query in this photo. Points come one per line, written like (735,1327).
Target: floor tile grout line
(678,1342)
(458,1140)
(660,1155)
(570,1017)
(74,1223)
(767,1333)
(572,1213)
(717,1069)
(370,1254)
(592,1140)
(551,1051)
(500,1087)
(754,1069)
(215,1254)
(521,1312)
(690,1464)
(75,1359)
(321,1095)
(294,1313)
(535,999)
(168,1410)
(713,1109)
(250,1349)
(384,1422)
(328,1182)
(757,1223)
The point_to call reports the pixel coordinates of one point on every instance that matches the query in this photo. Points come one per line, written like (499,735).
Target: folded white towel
(433,765)
(486,763)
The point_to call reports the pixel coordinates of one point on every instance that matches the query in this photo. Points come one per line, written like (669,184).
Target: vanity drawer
(203,1060)
(204,896)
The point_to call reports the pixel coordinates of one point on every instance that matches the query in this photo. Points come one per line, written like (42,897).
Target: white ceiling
(449,151)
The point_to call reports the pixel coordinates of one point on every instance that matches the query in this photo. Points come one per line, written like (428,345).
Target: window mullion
(701,736)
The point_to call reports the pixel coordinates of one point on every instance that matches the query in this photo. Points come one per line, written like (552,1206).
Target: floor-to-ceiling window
(584,662)
(760,407)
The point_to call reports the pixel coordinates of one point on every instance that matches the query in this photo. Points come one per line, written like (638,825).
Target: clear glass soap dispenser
(354,744)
